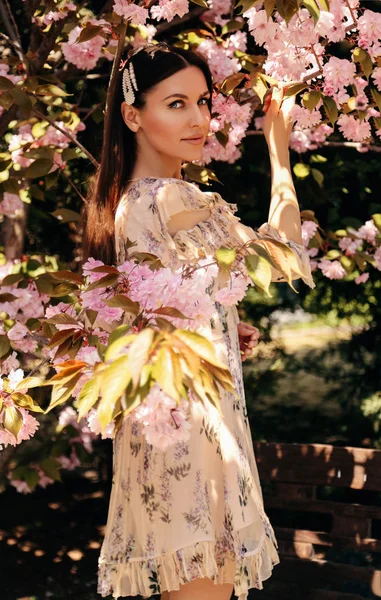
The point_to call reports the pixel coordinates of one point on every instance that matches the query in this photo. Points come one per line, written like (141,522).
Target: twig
(67,134)
(12,29)
(62,170)
(372,147)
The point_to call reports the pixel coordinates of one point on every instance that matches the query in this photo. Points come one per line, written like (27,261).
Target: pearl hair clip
(129,83)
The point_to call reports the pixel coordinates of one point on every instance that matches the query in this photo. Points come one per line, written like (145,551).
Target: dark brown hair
(152,64)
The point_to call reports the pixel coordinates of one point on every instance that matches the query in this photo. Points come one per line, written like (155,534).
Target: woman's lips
(196,141)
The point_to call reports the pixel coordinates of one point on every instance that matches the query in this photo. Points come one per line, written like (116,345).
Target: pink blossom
(362,278)
(233,292)
(376,75)
(58,309)
(339,72)
(349,246)
(28,428)
(10,363)
(220,63)
(332,269)
(94,425)
(305,118)
(21,486)
(218,8)
(167,9)
(69,462)
(369,27)
(84,55)
(368,232)
(354,129)
(164,422)
(137,15)
(309,229)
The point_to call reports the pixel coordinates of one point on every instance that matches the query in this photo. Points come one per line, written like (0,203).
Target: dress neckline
(194,186)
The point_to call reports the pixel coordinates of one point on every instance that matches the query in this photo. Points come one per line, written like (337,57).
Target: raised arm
(284,213)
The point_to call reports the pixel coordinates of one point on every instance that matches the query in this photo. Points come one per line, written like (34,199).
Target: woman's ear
(130,116)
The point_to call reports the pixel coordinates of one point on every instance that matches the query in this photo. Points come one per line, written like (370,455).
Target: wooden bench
(324,503)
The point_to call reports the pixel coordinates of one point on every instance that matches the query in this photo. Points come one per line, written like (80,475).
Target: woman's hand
(248,338)
(277,125)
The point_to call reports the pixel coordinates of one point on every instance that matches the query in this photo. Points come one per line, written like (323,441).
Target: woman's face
(176,110)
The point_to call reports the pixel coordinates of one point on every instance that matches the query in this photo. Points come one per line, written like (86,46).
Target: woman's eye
(204,100)
(174,102)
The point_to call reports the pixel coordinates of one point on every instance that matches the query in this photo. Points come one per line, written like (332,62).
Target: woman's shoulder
(163,190)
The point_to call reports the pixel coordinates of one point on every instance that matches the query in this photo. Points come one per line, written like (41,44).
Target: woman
(189,522)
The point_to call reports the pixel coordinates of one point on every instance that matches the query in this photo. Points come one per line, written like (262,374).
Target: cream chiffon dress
(195,510)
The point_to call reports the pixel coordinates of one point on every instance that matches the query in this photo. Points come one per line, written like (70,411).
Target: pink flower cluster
(29,424)
(350,245)
(164,422)
(84,55)
(238,117)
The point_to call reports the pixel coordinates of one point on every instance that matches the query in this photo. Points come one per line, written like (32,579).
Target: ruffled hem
(167,572)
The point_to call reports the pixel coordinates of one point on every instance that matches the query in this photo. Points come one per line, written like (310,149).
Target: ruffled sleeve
(143,220)
(245,233)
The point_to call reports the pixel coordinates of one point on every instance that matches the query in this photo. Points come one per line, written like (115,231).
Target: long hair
(152,64)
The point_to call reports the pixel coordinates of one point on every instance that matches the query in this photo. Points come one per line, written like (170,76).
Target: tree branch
(357,145)
(67,134)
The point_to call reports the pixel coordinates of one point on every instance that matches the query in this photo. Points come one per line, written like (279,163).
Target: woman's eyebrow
(186,97)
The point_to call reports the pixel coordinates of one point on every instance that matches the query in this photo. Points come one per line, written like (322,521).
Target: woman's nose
(197,117)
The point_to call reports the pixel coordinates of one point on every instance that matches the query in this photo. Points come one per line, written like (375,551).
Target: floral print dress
(196,509)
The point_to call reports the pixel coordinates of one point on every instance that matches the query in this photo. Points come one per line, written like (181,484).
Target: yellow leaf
(199,344)
(12,420)
(139,352)
(88,396)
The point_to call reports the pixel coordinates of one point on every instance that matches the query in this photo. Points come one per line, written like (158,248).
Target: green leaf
(51,90)
(376,97)
(377,220)
(269,6)
(62,319)
(332,254)
(301,170)
(170,311)
(65,215)
(259,86)
(89,32)
(6,100)
(259,270)
(318,176)
(6,84)
(313,9)
(226,256)
(294,89)
(39,168)
(230,83)
(311,99)
(287,8)
(50,466)
(4,345)
(330,109)
(362,57)
(23,101)
(233,25)
(121,301)
(202,3)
